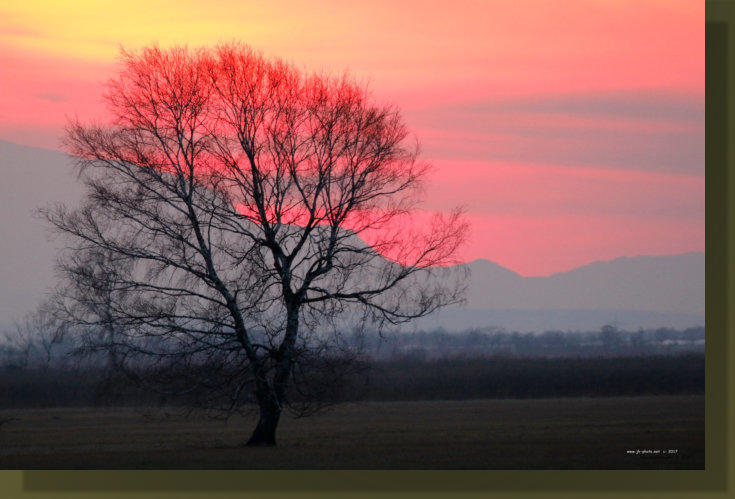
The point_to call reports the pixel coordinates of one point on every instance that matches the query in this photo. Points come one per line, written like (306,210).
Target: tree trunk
(264,434)
(271,394)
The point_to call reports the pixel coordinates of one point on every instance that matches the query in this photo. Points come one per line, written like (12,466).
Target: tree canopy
(236,205)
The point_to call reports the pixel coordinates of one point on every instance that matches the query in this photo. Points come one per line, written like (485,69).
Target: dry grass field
(564,433)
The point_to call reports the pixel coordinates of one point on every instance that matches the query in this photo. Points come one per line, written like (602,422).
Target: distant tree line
(37,342)
(509,377)
(41,367)
(398,379)
(606,342)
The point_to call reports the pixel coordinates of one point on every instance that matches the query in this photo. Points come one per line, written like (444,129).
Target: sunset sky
(570,131)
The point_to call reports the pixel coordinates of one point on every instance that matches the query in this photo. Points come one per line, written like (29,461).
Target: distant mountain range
(672,283)
(642,291)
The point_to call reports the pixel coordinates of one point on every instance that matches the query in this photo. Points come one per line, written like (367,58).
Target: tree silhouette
(245,212)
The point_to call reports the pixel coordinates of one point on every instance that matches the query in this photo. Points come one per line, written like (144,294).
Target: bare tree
(34,341)
(84,305)
(247,211)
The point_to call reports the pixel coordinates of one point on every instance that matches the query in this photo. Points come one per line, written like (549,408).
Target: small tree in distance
(229,201)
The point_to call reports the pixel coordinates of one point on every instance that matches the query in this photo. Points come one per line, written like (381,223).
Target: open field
(589,433)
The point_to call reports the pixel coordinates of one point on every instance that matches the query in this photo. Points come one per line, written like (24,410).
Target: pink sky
(570,131)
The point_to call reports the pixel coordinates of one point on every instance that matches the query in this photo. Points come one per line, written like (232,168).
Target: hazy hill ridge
(671,283)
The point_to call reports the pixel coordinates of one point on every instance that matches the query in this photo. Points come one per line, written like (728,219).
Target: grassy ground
(584,433)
